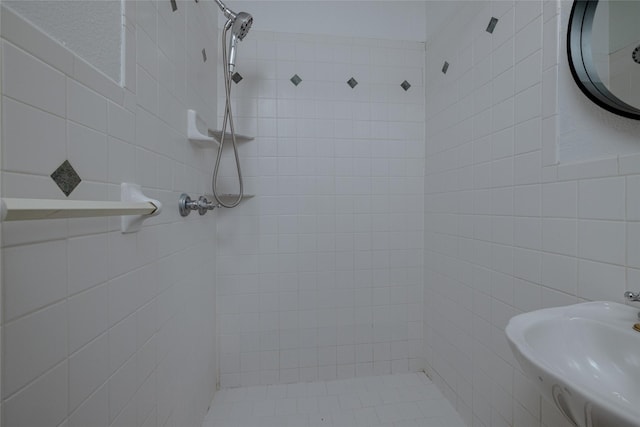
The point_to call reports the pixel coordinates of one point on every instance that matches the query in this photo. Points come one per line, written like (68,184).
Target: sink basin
(585,358)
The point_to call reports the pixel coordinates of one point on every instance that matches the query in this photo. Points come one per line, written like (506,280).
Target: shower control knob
(202,205)
(186,205)
(205,205)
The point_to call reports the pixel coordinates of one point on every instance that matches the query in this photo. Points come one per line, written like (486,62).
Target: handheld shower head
(239,28)
(240,25)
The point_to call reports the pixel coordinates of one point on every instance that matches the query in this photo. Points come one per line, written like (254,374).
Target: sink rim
(611,314)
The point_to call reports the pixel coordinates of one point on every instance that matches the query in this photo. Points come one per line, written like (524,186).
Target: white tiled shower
(391,231)
(319,277)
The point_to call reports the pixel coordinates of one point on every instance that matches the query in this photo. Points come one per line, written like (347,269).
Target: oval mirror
(603,43)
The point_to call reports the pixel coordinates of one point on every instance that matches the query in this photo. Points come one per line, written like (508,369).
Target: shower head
(240,25)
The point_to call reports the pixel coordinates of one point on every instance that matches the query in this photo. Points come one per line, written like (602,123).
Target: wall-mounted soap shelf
(208,137)
(217,134)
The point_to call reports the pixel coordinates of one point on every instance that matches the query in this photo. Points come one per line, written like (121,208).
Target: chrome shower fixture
(202,205)
(240,24)
(239,30)
(228,13)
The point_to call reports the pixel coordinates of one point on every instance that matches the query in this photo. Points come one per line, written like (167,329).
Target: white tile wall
(507,228)
(101,328)
(320,275)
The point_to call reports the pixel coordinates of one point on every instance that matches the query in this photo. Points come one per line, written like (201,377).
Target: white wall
(393,20)
(99,327)
(90,29)
(320,275)
(322,262)
(508,228)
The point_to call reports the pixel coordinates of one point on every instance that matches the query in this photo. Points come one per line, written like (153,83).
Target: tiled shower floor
(401,400)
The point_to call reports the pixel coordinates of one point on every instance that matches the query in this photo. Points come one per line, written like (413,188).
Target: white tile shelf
(214,136)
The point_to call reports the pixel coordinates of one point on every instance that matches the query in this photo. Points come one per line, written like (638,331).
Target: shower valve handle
(202,205)
(205,205)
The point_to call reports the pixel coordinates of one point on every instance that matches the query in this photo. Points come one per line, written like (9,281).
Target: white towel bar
(28,209)
(134,206)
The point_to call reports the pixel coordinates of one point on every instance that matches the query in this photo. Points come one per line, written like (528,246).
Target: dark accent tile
(204,55)
(295,80)
(445,67)
(174,5)
(405,85)
(66,178)
(492,25)
(352,82)
(236,77)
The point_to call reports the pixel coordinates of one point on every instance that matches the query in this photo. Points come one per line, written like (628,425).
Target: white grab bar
(134,206)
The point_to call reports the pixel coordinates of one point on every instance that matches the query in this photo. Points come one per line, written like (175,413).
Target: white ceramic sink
(585,358)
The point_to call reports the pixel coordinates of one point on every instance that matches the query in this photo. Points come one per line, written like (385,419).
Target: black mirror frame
(581,62)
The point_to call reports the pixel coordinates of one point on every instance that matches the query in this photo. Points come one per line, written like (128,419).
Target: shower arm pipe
(228,13)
